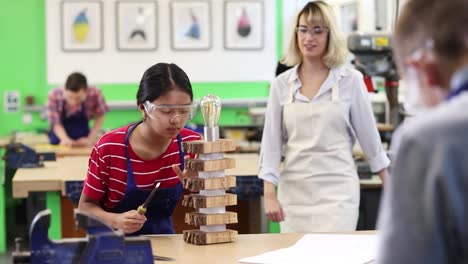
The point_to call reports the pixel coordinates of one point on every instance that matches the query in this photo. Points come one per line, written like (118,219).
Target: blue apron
(459,90)
(160,208)
(75,125)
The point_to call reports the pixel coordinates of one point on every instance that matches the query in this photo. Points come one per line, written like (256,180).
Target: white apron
(319,186)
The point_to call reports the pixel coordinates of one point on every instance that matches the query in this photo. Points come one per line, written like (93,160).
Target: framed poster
(190,25)
(243,25)
(82,27)
(136,25)
(349,17)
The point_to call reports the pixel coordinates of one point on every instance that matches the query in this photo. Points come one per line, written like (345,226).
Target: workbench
(245,246)
(38,142)
(65,176)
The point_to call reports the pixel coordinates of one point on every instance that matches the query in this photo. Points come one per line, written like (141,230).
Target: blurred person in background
(424,211)
(70,109)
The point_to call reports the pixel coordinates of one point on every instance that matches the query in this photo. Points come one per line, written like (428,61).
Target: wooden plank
(197,184)
(204,147)
(200,201)
(198,237)
(209,165)
(198,219)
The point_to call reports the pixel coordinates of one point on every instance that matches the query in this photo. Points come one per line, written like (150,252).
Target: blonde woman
(315,112)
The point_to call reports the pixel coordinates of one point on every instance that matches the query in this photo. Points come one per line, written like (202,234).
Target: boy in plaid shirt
(69,110)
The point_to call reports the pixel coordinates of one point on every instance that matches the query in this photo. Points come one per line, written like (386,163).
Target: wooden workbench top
(50,177)
(245,246)
(54,174)
(40,143)
(62,151)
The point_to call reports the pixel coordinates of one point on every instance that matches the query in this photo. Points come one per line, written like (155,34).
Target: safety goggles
(315,31)
(184,111)
(420,52)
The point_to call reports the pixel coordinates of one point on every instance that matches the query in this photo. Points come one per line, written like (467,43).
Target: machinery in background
(101,245)
(373,58)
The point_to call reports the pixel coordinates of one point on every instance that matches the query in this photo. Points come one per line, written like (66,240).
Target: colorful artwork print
(243,25)
(81,27)
(194,31)
(190,25)
(81,24)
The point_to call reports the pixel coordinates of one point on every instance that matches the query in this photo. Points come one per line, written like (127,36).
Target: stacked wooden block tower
(208,182)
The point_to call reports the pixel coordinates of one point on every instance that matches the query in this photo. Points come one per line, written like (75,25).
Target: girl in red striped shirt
(127,163)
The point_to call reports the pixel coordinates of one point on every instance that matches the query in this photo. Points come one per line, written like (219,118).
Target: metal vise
(102,244)
(18,155)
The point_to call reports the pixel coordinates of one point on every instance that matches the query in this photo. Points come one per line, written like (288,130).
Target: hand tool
(142,208)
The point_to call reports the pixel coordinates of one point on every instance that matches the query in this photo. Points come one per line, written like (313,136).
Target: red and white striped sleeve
(94,186)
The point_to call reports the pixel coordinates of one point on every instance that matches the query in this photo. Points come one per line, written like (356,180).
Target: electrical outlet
(27,118)
(11,101)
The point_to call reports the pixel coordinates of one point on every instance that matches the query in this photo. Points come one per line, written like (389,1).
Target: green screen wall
(23,68)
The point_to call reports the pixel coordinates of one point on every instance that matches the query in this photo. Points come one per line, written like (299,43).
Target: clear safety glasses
(183,111)
(315,31)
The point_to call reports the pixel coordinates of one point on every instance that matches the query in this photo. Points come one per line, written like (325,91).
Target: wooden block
(201,201)
(197,184)
(198,237)
(198,219)
(204,147)
(209,165)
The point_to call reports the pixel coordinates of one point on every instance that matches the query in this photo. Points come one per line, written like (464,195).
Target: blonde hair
(336,51)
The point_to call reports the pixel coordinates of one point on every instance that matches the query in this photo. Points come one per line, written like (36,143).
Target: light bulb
(210,107)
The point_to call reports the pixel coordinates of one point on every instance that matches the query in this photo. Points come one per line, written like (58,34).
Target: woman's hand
(129,222)
(383,174)
(273,210)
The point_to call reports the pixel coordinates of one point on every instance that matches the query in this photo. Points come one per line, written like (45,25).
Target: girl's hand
(129,222)
(182,174)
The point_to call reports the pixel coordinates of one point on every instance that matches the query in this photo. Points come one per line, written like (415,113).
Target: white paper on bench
(321,249)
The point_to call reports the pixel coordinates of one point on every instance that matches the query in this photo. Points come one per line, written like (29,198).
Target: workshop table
(38,143)
(69,172)
(245,246)
(65,176)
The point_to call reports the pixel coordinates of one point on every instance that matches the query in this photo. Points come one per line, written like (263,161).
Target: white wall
(113,66)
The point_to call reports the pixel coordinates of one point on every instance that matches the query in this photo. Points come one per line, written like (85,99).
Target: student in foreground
(424,213)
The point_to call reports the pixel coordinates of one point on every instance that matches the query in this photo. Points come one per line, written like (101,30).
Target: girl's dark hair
(75,82)
(160,79)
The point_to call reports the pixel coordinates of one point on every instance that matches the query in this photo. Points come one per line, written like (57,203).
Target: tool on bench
(102,244)
(18,155)
(142,208)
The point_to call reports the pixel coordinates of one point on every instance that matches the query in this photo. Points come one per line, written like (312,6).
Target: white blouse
(357,110)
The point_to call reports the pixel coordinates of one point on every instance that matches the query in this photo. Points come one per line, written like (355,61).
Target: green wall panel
(22,57)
